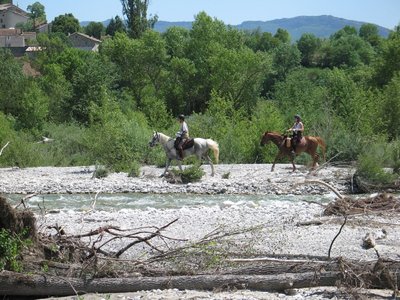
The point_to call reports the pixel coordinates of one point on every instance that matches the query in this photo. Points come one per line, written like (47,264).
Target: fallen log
(276,275)
(15,284)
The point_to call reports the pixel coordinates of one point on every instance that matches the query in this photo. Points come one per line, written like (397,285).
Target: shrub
(10,248)
(373,162)
(100,172)
(134,169)
(190,174)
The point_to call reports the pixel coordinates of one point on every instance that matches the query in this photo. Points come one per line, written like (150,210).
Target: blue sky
(381,12)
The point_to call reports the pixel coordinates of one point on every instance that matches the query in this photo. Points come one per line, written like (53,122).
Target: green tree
(206,37)
(136,15)
(308,44)
(176,40)
(348,50)
(141,62)
(178,89)
(66,24)
(390,108)
(239,74)
(261,41)
(116,25)
(388,62)
(282,35)
(91,81)
(13,83)
(285,58)
(370,33)
(37,14)
(345,31)
(95,29)
(58,90)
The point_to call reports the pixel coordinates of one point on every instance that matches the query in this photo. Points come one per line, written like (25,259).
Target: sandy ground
(281,223)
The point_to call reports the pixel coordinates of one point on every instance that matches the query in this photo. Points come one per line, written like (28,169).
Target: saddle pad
(188,144)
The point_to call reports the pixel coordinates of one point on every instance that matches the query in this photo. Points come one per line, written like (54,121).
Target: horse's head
(155,139)
(268,136)
(265,138)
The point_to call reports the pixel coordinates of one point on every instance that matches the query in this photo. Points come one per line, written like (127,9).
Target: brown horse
(308,144)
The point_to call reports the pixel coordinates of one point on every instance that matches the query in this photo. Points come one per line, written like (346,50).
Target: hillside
(321,26)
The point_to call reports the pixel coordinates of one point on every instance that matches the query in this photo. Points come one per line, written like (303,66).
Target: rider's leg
(180,153)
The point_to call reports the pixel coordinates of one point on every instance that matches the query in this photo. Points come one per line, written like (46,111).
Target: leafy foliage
(10,249)
(66,24)
(190,174)
(375,160)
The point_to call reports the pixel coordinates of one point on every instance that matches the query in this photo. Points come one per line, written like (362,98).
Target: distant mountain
(320,26)
(86,23)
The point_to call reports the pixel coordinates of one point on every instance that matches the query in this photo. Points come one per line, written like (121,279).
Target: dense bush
(379,162)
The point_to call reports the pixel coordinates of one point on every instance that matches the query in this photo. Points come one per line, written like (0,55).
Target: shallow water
(113,202)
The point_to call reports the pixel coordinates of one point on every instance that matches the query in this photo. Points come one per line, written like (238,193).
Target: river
(142,201)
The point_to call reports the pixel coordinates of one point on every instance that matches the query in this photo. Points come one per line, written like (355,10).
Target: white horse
(200,149)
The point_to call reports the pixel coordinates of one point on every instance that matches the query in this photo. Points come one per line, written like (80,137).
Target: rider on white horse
(181,136)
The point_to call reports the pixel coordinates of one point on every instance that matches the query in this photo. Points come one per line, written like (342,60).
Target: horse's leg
(180,165)
(168,162)
(278,156)
(294,166)
(315,160)
(211,164)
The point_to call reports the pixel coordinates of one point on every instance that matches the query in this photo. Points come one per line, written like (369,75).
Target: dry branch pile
(348,206)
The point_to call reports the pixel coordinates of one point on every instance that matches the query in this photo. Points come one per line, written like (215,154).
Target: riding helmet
(181,117)
(297,117)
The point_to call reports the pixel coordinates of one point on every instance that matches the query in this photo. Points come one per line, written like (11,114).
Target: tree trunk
(273,275)
(15,284)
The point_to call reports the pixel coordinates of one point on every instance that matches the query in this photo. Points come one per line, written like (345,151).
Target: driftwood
(380,203)
(316,181)
(283,275)
(4,147)
(15,284)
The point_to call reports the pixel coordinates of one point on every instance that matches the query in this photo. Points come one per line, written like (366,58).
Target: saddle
(288,142)
(189,143)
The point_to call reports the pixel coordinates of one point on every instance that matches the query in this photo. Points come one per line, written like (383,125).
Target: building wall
(11,16)
(83,42)
(11,19)
(12,41)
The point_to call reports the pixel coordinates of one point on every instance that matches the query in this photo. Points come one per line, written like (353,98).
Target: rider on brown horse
(181,136)
(297,130)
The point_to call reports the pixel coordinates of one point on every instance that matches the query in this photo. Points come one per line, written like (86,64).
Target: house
(11,15)
(84,42)
(11,38)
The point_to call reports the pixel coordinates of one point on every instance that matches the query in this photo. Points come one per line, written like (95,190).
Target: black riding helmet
(297,117)
(181,117)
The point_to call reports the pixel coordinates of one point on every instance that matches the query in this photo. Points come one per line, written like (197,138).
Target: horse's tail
(213,145)
(322,144)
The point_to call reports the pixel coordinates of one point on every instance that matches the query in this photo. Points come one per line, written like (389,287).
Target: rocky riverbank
(229,179)
(284,227)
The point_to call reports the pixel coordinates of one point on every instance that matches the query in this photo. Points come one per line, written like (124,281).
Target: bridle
(155,139)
